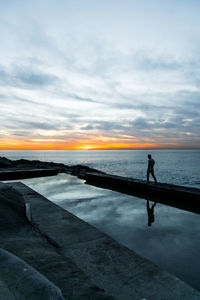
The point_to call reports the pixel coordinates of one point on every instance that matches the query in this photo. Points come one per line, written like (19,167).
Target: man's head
(149,156)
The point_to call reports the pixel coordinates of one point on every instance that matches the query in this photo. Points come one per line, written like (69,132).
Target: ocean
(180,167)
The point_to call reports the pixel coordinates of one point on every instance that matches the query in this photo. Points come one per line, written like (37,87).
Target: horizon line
(105,149)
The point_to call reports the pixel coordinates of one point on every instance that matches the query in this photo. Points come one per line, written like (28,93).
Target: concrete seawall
(141,186)
(23,174)
(24,282)
(38,265)
(76,257)
(174,195)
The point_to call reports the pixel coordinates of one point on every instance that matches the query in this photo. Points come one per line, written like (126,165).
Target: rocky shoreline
(24,164)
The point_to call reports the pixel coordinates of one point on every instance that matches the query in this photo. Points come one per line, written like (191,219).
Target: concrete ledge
(23,174)
(5,292)
(25,239)
(23,281)
(160,189)
(178,196)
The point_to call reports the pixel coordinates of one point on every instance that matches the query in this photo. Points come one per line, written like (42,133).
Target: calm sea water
(180,167)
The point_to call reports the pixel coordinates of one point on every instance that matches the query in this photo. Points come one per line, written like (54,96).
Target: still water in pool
(167,236)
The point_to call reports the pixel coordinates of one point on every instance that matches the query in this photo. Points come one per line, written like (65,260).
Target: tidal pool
(167,236)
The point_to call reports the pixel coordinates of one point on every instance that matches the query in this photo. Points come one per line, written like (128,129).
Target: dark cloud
(24,128)
(35,79)
(88,127)
(3,74)
(147,63)
(21,133)
(79,98)
(104,126)
(25,77)
(38,125)
(145,123)
(19,107)
(28,125)
(135,127)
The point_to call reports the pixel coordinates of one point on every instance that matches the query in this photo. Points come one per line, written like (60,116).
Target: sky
(107,74)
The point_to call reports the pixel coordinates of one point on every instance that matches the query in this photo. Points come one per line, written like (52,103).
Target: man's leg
(154,177)
(148,176)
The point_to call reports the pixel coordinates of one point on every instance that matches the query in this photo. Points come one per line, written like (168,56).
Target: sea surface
(180,167)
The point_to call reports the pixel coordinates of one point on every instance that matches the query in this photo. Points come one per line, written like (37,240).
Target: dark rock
(6,163)
(81,170)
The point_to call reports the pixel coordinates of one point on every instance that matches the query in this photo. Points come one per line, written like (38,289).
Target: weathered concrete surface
(109,265)
(22,174)
(162,189)
(5,293)
(24,282)
(19,238)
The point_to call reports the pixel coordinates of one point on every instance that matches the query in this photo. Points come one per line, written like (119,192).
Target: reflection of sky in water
(172,242)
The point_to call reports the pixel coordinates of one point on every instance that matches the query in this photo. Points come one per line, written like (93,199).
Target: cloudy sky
(85,74)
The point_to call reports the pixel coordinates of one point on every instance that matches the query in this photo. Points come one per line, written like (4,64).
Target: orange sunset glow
(82,145)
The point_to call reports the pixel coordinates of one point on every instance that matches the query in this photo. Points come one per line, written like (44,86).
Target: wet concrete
(87,264)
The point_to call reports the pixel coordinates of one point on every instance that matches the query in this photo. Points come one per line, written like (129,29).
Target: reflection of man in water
(150,212)
(150,169)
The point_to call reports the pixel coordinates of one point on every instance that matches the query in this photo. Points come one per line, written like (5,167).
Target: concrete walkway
(22,174)
(32,266)
(173,195)
(21,281)
(159,189)
(108,267)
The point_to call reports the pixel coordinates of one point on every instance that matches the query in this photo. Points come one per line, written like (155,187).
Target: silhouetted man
(150,212)
(150,169)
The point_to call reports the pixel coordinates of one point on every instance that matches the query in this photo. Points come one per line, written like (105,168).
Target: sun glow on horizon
(86,147)
(94,144)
